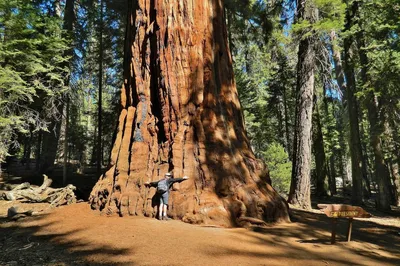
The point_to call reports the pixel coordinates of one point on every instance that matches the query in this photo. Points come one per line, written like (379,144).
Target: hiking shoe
(165,218)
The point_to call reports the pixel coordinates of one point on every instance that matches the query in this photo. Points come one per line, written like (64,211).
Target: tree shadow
(308,238)
(23,242)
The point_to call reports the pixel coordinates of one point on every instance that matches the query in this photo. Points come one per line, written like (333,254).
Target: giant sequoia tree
(180,112)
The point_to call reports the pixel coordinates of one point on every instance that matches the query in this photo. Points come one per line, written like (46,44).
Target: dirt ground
(76,235)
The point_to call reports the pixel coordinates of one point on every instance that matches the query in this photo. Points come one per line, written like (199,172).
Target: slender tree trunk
(65,163)
(95,146)
(365,164)
(180,113)
(286,112)
(394,168)
(69,18)
(281,120)
(337,61)
(322,183)
(38,151)
(396,182)
(395,162)
(376,130)
(332,186)
(300,194)
(28,149)
(99,110)
(354,140)
(342,154)
(331,166)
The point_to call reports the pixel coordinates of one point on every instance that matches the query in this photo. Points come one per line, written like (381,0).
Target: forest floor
(76,235)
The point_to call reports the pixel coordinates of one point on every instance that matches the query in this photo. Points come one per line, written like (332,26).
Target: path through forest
(75,235)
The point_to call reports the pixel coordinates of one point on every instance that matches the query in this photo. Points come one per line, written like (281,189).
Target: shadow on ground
(309,237)
(24,244)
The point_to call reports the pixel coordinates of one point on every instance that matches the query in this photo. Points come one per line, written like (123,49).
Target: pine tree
(31,82)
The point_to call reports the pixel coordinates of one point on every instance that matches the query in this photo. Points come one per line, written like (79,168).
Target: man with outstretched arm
(163,186)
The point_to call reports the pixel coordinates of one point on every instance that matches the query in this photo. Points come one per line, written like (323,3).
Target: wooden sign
(343,211)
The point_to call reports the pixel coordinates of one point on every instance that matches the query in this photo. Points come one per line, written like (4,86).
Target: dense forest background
(318,82)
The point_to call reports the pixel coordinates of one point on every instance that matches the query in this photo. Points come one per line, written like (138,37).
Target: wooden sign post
(336,211)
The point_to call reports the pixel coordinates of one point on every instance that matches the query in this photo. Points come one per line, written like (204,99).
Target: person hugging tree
(163,186)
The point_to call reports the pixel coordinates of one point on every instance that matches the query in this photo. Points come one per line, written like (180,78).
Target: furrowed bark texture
(181,113)
(300,193)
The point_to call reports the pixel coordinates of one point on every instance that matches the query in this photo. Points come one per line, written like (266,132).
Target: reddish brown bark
(181,113)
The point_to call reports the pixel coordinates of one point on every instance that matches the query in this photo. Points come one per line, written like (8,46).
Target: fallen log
(43,194)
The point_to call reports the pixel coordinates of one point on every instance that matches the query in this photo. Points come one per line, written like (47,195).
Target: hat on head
(168,174)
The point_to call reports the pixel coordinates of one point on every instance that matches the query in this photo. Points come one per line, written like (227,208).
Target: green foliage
(381,26)
(280,167)
(252,75)
(321,17)
(264,70)
(31,70)
(85,83)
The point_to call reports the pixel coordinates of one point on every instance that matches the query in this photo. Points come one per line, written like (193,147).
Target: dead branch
(43,194)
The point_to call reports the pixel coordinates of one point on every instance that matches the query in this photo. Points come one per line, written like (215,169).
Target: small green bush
(280,167)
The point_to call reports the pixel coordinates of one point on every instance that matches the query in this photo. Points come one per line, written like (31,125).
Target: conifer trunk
(69,18)
(394,168)
(365,162)
(395,161)
(287,118)
(376,130)
(300,192)
(99,104)
(354,140)
(331,166)
(180,113)
(339,72)
(320,158)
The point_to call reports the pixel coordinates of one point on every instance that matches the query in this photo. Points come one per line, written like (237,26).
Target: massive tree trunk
(354,140)
(181,113)
(300,192)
